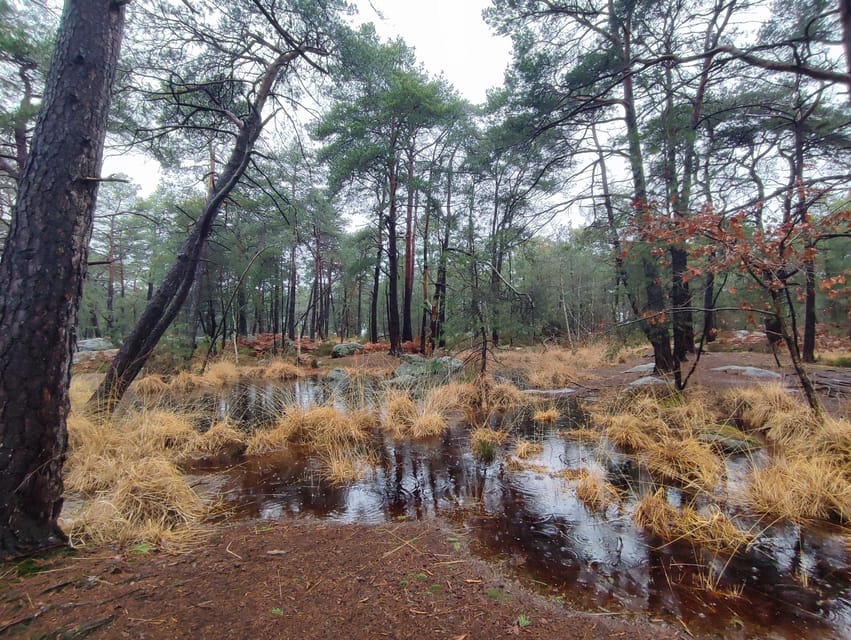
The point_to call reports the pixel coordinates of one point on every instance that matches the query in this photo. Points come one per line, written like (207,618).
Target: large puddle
(793,583)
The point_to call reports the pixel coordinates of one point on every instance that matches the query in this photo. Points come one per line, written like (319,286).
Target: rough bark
(393,328)
(42,272)
(408,295)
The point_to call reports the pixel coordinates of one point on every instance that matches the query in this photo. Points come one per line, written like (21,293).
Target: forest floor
(312,579)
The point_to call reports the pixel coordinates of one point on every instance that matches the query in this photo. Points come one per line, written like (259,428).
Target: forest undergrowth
(126,480)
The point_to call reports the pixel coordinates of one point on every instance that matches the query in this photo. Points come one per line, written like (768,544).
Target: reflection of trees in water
(537,523)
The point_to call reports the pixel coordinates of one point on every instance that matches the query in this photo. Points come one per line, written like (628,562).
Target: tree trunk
(169,298)
(393,328)
(407,300)
(42,272)
(291,293)
(809,344)
(376,285)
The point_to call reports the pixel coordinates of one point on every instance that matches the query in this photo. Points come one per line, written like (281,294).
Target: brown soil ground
(311,579)
(296,579)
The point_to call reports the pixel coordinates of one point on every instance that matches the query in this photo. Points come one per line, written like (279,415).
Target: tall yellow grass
(801,490)
(686,462)
(712,531)
(595,492)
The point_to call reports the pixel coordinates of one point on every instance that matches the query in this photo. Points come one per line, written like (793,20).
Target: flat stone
(750,372)
(642,368)
(646,381)
(94,344)
(550,393)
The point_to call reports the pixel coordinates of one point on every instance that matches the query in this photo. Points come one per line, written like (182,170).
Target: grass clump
(769,408)
(400,411)
(595,492)
(582,435)
(279,369)
(428,424)
(150,503)
(631,432)
(524,449)
(801,490)
(546,416)
(218,438)
(713,531)
(485,443)
(687,462)
(222,373)
(572,474)
(151,387)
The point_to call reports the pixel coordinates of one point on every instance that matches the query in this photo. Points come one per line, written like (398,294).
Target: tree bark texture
(42,272)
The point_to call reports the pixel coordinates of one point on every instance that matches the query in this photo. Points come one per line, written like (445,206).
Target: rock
(94,344)
(646,381)
(550,393)
(337,376)
(750,372)
(413,368)
(346,349)
(728,439)
(94,358)
(642,368)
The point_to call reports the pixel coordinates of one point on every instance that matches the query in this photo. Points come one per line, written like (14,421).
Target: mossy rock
(728,439)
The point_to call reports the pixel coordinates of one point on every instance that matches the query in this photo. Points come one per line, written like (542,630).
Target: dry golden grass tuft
(265,441)
(150,503)
(400,411)
(158,431)
(801,490)
(582,435)
(595,492)
(325,428)
(151,387)
(768,408)
(222,373)
(688,414)
(687,462)
(713,532)
(555,367)
(571,474)
(485,442)
(546,416)
(513,464)
(343,465)
(503,396)
(461,395)
(524,449)
(218,438)
(654,513)
(429,424)
(631,432)
(833,441)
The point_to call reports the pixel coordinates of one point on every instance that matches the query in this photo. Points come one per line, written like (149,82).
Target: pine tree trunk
(42,272)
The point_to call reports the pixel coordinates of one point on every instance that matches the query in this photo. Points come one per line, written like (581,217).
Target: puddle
(793,584)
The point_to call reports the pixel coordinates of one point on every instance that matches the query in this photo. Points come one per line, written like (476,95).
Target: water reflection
(792,584)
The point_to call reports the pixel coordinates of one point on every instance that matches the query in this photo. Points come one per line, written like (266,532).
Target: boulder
(346,349)
(94,344)
(750,372)
(413,368)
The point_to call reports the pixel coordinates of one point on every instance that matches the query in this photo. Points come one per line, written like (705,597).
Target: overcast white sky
(449,36)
